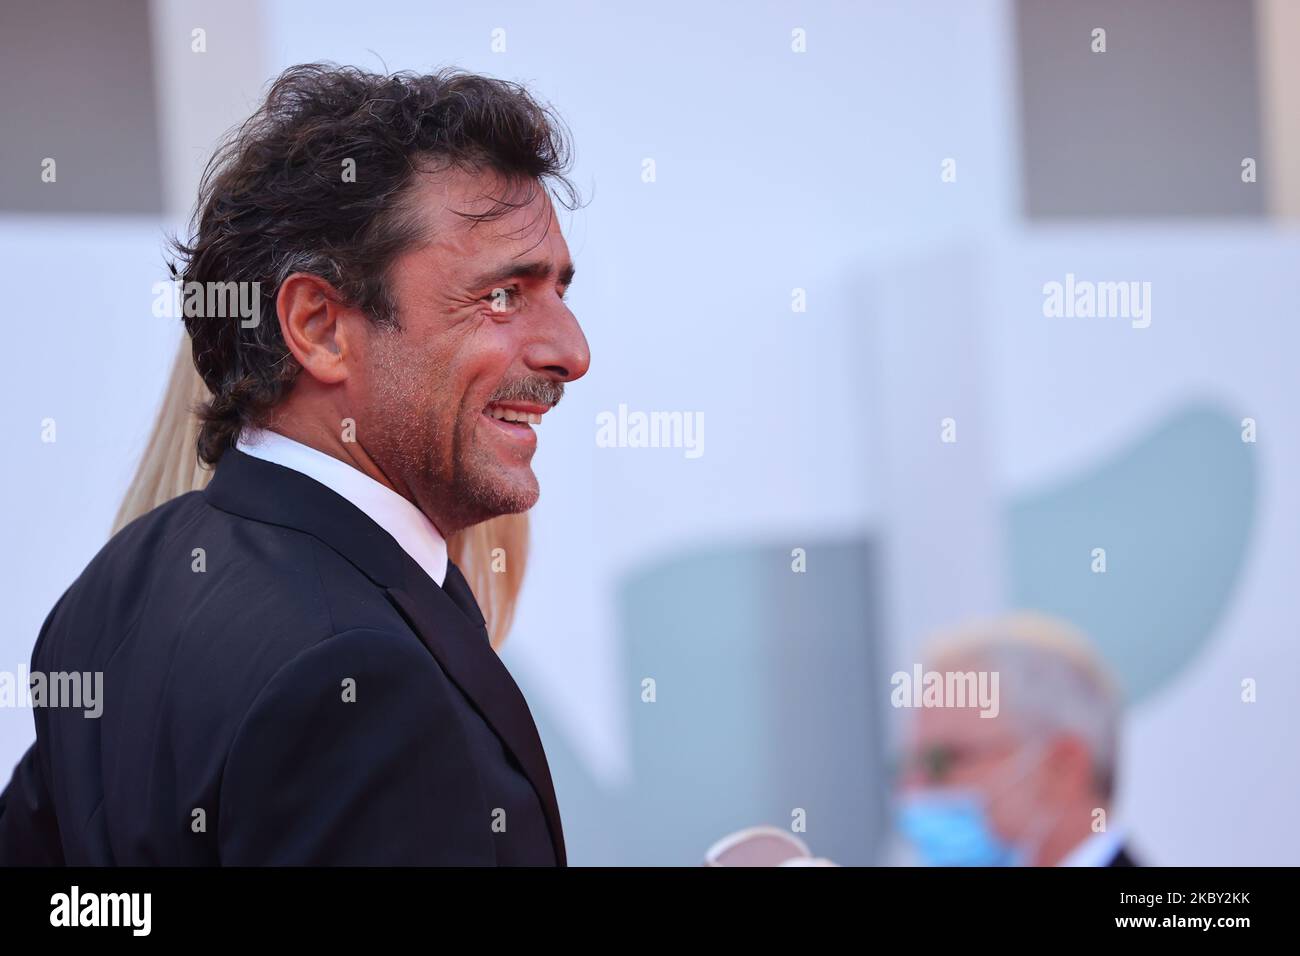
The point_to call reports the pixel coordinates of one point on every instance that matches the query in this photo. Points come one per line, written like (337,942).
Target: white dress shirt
(1098,849)
(414,533)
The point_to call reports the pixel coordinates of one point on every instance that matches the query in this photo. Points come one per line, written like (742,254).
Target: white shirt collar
(408,525)
(1097,849)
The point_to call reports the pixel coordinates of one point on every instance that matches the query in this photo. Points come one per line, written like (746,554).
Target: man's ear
(1069,763)
(317,326)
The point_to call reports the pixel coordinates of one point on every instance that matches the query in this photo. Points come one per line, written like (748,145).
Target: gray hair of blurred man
(1050,681)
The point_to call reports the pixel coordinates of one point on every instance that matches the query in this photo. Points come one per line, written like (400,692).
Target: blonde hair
(170,466)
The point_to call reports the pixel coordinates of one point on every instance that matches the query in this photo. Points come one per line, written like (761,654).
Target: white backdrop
(776,171)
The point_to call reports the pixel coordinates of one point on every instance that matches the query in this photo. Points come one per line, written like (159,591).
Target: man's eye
(938,761)
(502,299)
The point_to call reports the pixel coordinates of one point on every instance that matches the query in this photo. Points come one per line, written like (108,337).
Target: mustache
(535,390)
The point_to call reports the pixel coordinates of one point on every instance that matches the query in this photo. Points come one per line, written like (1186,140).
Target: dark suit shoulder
(235,599)
(111,588)
(190,610)
(188,582)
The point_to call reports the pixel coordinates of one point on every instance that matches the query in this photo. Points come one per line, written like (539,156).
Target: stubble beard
(453,480)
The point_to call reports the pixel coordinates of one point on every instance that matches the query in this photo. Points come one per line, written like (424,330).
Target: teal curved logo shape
(1173,512)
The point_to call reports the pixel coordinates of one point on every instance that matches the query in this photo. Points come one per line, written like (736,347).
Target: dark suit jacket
(1123,858)
(227,735)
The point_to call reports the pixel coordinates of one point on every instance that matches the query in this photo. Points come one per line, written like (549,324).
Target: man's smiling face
(485,346)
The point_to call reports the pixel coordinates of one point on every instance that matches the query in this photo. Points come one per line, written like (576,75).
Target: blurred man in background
(1029,782)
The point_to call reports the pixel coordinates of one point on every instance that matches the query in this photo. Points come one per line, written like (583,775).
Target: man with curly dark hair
(293,671)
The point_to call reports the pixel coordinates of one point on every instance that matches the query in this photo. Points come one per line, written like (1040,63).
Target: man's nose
(561,349)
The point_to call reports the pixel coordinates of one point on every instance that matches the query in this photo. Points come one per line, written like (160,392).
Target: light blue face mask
(951,828)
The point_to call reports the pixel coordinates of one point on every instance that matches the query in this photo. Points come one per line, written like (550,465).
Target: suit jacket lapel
(451,628)
(477,670)
(458,590)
